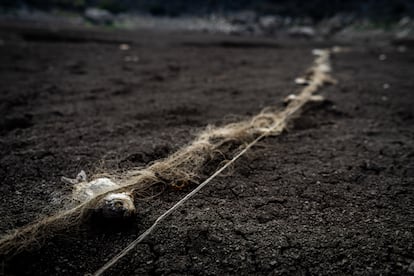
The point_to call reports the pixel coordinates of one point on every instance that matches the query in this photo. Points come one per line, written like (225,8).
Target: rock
(243,18)
(244,22)
(402,33)
(99,16)
(331,26)
(404,22)
(302,31)
(270,23)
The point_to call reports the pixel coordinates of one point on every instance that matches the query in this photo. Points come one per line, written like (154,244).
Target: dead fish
(113,205)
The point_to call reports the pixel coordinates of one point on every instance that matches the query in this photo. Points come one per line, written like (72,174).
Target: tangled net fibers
(186,166)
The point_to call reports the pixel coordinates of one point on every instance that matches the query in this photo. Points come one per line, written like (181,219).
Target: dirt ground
(333,195)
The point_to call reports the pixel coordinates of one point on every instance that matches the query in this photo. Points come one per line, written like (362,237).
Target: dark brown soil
(333,195)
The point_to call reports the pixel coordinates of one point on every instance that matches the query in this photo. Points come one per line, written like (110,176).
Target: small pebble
(301,81)
(124,47)
(337,49)
(318,52)
(290,98)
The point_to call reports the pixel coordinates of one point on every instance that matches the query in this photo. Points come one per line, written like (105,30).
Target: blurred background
(314,18)
(315,9)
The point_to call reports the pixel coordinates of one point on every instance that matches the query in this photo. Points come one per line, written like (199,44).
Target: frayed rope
(318,75)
